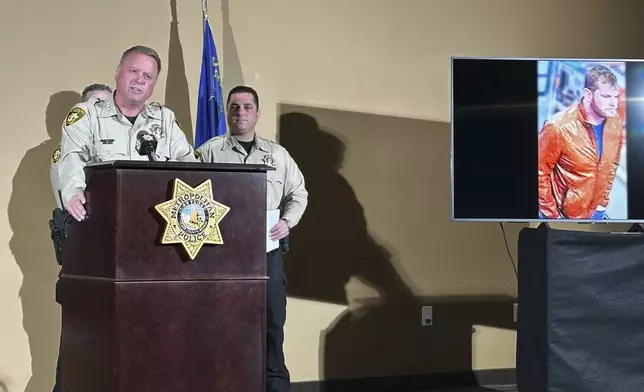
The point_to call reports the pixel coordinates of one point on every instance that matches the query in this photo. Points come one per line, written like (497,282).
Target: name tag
(107,141)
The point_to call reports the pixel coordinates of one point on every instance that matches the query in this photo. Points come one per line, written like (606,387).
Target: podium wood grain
(140,316)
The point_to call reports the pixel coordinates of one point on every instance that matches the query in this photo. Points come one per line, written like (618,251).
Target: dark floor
(493,388)
(417,384)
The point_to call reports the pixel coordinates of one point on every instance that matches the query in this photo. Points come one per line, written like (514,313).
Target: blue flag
(211,120)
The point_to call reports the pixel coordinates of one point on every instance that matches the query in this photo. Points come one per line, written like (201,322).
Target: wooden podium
(141,316)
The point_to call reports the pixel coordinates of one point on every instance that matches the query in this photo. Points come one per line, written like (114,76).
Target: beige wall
(368,77)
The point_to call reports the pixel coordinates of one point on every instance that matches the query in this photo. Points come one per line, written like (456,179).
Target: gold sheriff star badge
(192,217)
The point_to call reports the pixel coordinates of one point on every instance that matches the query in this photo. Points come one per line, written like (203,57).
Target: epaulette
(99,103)
(214,140)
(102,107)
(156,108)
(94,101)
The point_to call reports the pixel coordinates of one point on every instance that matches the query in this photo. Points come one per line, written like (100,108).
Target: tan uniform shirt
(285,184)
(97,131)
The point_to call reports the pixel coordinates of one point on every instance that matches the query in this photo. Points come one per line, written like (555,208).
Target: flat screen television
(547,140)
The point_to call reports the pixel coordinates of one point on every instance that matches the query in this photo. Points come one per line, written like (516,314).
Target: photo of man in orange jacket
(579,152)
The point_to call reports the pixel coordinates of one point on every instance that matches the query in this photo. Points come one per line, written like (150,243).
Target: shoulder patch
(55,157)
(197,155)
(74,115)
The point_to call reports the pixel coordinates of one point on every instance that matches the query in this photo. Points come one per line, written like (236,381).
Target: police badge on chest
(157,131)
(268,160)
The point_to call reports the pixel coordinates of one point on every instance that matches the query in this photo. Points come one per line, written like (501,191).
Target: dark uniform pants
(277,376)
(57,386)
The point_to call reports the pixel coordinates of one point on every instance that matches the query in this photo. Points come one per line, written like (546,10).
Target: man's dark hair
(142,50)
(94,87)
(597,75)
(243,89)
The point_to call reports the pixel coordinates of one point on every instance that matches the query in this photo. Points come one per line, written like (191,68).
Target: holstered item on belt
(59,226)
(284,245)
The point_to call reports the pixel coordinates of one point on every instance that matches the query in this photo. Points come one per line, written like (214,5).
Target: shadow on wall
(177,93)
(30,207)
(232,69)
(381,335)
(334,224)
(387,341)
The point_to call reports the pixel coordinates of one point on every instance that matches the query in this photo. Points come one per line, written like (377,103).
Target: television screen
(547,140)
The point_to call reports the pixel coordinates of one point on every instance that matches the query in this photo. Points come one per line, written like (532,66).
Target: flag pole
(204,9)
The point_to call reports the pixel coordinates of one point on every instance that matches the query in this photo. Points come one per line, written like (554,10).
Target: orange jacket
(572,181)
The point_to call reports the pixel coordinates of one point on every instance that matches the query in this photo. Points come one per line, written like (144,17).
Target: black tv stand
(567,277)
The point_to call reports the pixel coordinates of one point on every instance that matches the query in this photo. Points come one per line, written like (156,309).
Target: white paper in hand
(272,217)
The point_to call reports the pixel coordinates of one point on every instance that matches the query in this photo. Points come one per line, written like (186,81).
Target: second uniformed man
(285,191)
(97,131)
(99,91)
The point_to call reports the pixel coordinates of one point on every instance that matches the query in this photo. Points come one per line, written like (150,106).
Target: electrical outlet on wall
(427,316)
(515,312)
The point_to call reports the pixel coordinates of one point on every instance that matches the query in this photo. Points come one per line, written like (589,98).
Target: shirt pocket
(274,177)
(108,149)
(161,133)
(163,151)
(274,188)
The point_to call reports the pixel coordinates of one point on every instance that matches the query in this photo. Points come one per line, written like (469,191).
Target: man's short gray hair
(94,87)
(142,50)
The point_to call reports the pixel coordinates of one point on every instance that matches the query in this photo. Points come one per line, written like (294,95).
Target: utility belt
(284,246)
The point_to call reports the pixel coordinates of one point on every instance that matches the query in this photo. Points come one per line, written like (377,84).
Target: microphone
(146,144)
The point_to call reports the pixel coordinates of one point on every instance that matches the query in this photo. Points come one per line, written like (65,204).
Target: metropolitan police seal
(192,217)
(192,213)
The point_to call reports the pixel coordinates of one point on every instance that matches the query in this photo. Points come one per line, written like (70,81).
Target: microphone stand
(149,150)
